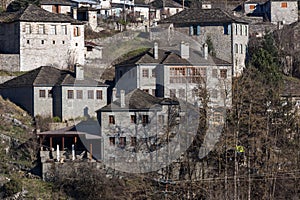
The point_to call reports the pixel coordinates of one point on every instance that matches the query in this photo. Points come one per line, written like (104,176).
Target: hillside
(18,154)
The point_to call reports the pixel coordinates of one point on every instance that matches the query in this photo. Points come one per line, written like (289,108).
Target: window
(241,29)
(28,42)
(215,73)
(172,93)
(195,30)
(236,29)
(112,141)
(99,94)
(146,90)
(27,28)
(203,72)
(76,31)
(227,29)
(223,73)
(111,119)
(145,119)
(41,29)
(251,7)
(90,94)
(161,119)
(133,141)
(42,93)
(153,73)
(241,48)
(145,73)
(49,93)
(236,48)
(63,42)
(56,8)
(122,142)
(284,5)
(42,41)
(79,94)
(246,30)
(76,44)
(70,94)
(53,41)
(64,30)
(53,30)
(133,119)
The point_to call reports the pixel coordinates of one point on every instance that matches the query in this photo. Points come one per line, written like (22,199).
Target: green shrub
(56,119)
(12,187)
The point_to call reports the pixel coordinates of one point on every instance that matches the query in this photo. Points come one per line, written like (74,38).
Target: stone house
(38,37)
(48,91)
(80,10)
(161,9)
(57,6)
(279,11)
(276,11)
(177,73)
(227,33)
(131,121)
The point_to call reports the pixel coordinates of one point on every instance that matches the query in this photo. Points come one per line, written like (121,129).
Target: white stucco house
(38,38)
(48,91)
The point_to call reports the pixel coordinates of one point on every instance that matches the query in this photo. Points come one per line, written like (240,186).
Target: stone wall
(5,78)
(10,62)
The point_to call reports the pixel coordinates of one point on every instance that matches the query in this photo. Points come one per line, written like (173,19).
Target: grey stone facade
(40,41)
(226,34)
(48,91)
(10,62)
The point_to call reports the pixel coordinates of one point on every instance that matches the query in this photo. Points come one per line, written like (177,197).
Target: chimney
(74,13)
(114,94)
(122,98)
(205,51)
(184,50)
(155,50)
(79,72)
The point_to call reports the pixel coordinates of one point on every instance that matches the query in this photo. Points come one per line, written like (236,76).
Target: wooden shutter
(198,30)
(191,30)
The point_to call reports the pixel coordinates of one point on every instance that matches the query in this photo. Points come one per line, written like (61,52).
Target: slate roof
(168,3)
(56,2)
(48,76)
(202,16)
(138,100)
(34,13)
(171,58)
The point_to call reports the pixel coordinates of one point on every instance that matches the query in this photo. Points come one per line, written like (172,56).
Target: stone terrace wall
(10,62)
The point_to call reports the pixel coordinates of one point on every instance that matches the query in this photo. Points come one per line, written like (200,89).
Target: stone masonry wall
(10,62)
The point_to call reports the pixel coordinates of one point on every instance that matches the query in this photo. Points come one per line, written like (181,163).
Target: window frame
(145,73)
(70,94)
(99,94)
(90,94)
(42,93)
(223,73)
(111,119)
(79,94)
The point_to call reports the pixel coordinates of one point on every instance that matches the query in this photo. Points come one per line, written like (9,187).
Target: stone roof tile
(138,100)
(202,16)
(34,13)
